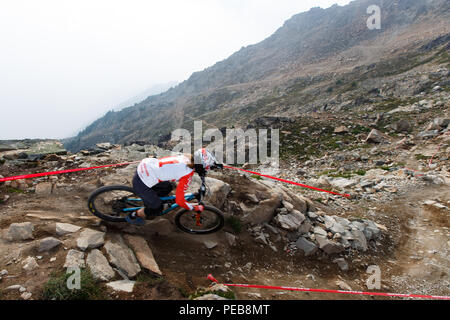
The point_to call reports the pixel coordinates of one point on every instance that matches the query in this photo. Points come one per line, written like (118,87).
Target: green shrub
(234,223)
(149,278)
(56,288)
(227,295)
(421,157)
(14,190)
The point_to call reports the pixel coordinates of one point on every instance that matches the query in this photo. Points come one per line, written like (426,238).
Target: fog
(64,63)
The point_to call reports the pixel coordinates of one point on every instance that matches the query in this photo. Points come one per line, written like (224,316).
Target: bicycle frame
(188,197)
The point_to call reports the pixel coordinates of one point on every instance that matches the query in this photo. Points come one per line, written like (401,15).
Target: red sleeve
(181,189)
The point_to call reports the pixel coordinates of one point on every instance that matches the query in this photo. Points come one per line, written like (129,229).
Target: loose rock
(90,239)
(20,231)
(99,266)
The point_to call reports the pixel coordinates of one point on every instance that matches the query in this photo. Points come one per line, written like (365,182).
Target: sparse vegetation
(421,157)
(234,223)
(56,288)
(14,190)
(227,295)
(149,278)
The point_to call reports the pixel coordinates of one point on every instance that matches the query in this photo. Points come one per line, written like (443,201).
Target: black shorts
(151,196)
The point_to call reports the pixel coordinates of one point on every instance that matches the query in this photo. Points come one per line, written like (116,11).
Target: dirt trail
(424,258)
(414,259)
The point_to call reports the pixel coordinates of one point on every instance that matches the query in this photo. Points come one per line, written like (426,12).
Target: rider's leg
(163,188)
(152,202)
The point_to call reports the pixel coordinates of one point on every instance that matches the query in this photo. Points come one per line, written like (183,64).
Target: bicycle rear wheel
(114,203)
(208,221)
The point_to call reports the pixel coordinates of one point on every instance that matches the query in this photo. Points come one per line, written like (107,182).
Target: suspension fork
(198,219)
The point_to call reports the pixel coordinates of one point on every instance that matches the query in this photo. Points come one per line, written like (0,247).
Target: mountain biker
(154,178)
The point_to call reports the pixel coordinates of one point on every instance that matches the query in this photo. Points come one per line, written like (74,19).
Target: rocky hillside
(318,59)
(394,164)
(366,113)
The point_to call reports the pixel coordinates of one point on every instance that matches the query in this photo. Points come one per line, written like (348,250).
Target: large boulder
(341,130)
(99,266)
(74,258)
(299,202)
(30,264)
(376,136)
(217,193)
(306,246)
(291,221)
(263,212)
(66,228)
(20,231)
(48,244)
(438,124)
(329,246)
(428,134)
(44,188)
(122,257)
(343,183)
(122,285)
(401,126)
(359,240)
(5,147)
(143,253)
(90,239)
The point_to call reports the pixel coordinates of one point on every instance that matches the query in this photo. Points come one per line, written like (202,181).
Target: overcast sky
(63,63)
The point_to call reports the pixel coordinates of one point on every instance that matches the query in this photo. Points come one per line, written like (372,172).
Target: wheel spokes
(117,203)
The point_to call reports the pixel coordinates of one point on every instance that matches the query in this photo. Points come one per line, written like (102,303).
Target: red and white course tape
(288,181)
(42,174)
(398,295)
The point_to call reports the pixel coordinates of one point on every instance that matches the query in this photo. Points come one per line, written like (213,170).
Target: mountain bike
(113,203)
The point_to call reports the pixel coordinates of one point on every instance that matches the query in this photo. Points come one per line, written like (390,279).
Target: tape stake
(288,181)
(282,288)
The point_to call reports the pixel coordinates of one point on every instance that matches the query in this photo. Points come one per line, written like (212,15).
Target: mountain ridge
(309,44)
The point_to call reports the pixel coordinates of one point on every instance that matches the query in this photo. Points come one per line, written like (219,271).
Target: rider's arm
(181,189)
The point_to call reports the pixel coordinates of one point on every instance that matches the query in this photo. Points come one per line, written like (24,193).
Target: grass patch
(227,295)
(421,157)
(56,287)
(342,174)
(14,190)
(234,223)
(183,292)
(149,278)
(386,168)
(254,176)
(359,129)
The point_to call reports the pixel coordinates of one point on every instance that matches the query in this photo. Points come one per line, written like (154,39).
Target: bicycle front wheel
(210,220)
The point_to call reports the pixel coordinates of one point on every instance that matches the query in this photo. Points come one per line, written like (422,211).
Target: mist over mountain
(153,90)
(317,58)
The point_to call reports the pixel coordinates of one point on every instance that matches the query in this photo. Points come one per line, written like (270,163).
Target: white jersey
(173,168)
